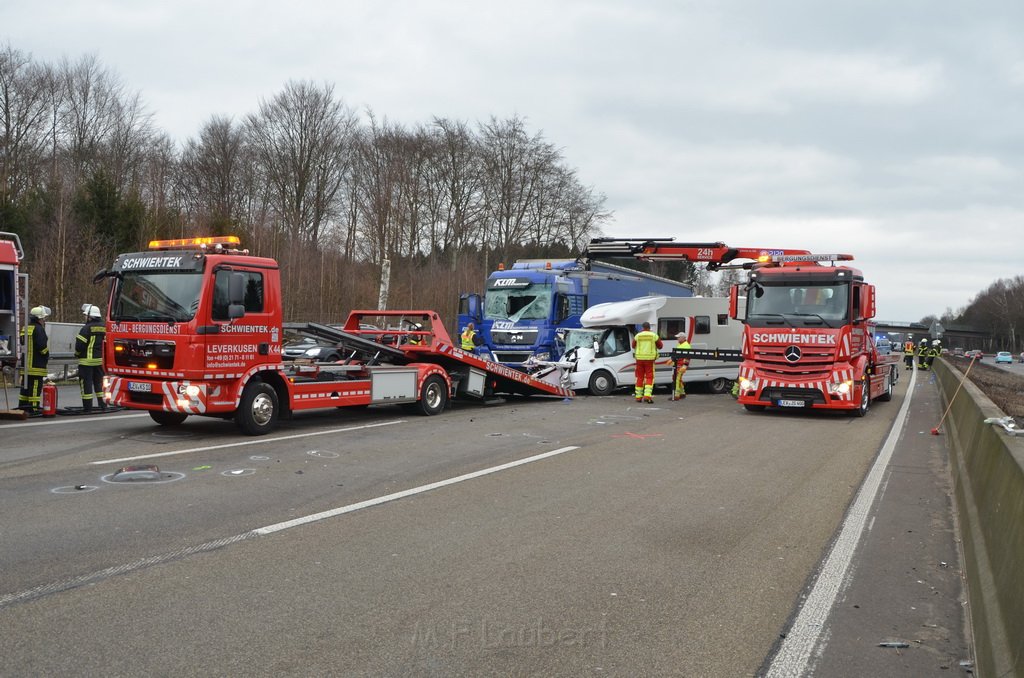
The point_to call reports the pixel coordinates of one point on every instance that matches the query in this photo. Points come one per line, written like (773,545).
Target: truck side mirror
(867,301)
(734,298)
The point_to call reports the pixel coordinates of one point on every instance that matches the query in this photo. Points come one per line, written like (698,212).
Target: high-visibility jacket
(467,339)
(908,348)
(684,344)
(89,343)
(646,345)
(37,349)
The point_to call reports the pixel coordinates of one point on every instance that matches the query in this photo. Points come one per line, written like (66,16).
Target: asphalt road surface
(535,537)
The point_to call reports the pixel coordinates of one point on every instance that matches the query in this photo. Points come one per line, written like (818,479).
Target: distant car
(1020,359)
(974,353)
(1004,357)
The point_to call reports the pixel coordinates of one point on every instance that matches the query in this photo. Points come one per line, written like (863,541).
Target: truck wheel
(167,418)
(720,385)
(433,396)
(257,413)
(601,383)
(865,399)
(887,394)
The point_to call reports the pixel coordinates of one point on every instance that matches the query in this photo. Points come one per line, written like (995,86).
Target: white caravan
(600,355)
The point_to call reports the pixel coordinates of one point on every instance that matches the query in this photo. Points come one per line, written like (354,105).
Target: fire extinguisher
(49,399)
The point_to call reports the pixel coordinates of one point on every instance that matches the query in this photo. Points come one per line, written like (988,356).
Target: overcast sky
(889,129)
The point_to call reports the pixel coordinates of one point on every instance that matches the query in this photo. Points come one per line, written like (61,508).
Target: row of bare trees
(85,174)
(997,311)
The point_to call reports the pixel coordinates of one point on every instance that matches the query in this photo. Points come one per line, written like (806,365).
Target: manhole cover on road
(141,474)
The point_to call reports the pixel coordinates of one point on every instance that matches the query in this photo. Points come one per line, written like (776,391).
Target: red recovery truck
(12,287)
(808,340)
(194,327)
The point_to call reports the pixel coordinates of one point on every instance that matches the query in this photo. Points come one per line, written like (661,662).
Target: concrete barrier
(988,478)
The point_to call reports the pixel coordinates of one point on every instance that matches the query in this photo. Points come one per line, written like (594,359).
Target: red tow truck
(808,339)
(194,327)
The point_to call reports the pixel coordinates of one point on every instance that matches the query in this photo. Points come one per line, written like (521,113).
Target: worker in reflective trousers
(89,351)
(908,352)
(645,353)
(35,357)
(678,387)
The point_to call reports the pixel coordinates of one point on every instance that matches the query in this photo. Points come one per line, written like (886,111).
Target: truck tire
(258,411)
(720,385)
(865,399)
(167,418)
(887,393)
(433,396)
(602,383)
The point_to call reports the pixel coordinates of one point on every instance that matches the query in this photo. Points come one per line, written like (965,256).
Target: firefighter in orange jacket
(908,352)
(645,351)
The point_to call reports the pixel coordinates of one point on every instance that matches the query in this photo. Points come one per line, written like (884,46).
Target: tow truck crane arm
(714,254)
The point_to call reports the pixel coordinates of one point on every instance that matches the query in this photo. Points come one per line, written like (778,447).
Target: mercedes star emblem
(792,354)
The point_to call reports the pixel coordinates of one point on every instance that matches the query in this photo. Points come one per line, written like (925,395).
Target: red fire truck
(194,327)
(808,340)
(12,287)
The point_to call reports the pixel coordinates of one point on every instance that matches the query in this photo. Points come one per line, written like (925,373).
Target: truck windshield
(173,297)
(532,303)
(824,303)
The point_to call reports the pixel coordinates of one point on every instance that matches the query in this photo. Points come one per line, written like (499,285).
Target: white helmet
(935,343)
(91,311)
(40,312)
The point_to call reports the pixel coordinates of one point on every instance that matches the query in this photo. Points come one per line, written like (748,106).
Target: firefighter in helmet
(89,351)
(934,352)
(908,352)
(922,355)
(35,358)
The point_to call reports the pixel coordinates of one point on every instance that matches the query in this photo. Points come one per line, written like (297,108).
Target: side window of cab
(253,298)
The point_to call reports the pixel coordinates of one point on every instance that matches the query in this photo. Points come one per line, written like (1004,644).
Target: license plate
(140,386)
(791,403)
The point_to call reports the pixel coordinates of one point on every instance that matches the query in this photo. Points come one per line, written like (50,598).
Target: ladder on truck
(390,337)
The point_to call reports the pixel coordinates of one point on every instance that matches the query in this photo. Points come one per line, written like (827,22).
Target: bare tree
(24,112)
(301,142)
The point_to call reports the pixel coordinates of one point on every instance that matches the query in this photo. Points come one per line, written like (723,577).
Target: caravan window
(701,324)
(723,319)
(668,328)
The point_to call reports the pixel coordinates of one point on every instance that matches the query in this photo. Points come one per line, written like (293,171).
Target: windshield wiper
(823,321)
(777,315)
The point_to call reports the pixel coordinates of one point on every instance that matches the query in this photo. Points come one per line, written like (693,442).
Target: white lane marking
(74,582)
(408,493)
(79,419)
(806,633)
(255,441)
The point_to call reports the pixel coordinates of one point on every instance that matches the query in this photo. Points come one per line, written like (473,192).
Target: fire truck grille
(811,395)
(144,353)
(813,364)
(146,398)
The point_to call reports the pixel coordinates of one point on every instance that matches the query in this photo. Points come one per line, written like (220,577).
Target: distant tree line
(997,311)
(84,175)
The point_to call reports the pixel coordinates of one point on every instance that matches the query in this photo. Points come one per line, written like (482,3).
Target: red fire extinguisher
(49,399)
